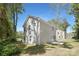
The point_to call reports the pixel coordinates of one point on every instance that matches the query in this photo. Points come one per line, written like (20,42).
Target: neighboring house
(37,31)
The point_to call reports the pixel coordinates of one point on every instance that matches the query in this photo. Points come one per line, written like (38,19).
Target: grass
(37,49)
(50,46)
(69,48)
(67,45)
(73,42)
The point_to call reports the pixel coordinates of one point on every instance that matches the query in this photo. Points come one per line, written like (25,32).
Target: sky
(46,12)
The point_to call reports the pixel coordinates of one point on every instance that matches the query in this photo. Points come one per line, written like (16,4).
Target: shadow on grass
(76,40)
(38,49)
(67,45)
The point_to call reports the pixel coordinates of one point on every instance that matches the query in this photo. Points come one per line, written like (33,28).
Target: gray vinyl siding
(41,33)
(45,30)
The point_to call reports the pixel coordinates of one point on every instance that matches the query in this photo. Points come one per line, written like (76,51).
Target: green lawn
(69,48)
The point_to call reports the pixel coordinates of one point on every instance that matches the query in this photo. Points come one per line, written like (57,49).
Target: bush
(10,48)
(38,49)
(1,48)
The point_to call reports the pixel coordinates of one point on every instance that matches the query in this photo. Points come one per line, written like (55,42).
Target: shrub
(1,48)
(38,49)
(10,48)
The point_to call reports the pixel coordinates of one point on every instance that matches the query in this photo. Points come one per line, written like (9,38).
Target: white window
(29,27)
(29,32)
(33,22)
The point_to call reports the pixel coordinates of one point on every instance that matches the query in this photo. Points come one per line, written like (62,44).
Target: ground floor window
(30,38)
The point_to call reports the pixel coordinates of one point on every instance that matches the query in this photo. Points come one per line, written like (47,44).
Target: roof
(39,19)
(35,18)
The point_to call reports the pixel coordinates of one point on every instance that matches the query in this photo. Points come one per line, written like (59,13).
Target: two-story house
(38,31)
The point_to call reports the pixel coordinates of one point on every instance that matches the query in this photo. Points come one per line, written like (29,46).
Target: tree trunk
(14,26)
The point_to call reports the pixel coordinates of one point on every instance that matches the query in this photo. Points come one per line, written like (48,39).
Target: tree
(15,10)
(5,27)
(59,21)
(55,22)
(8,19)
(57,7)
(65,24)
(75,11)
(60,24)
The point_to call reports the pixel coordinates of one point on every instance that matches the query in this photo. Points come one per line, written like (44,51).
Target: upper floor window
(29,32)
(33,22)
(29,27)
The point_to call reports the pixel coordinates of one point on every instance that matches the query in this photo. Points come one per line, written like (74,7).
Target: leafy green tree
(5,27)
(60,24)
(75,11)
(57,7)
(8,22)
(16,9)
(59,21)
(8,18)
(65,25)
